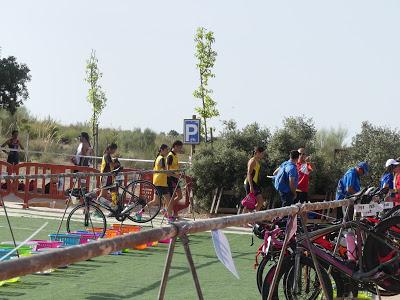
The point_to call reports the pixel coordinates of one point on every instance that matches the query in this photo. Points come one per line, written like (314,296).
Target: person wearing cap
(349,184)
(387,179)
(84,149)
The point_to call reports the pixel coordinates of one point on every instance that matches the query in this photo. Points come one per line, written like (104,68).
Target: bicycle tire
(87,210)
(260,271)
(317,290)
(376,252)
(140,201)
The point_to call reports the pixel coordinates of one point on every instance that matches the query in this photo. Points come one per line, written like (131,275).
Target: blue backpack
(281,179)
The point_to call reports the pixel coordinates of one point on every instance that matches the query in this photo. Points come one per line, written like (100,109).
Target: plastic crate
(110,233)
(140,247)
(126,228)
(87,236)
(24,250)
(40,244)
(68,239)
(4,251)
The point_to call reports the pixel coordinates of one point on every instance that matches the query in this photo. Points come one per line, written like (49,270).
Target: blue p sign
(191,131)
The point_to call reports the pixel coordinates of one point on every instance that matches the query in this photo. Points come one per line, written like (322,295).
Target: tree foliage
(14,77)
(206,57)
(295,132)
(96,96)
(374,144)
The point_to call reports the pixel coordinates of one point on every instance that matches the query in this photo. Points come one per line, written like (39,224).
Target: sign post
(191,132)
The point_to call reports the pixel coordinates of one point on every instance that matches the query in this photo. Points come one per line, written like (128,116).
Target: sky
(334,61)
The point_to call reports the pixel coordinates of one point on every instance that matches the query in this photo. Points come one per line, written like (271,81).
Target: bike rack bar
(281,257)
(314,258)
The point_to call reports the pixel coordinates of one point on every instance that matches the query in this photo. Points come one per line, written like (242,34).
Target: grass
(137,274)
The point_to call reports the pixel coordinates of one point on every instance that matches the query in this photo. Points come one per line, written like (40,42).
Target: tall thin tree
(96,96)
(206,57)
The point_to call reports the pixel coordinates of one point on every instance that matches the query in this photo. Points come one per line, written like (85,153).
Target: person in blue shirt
(286,179)
(387,179)
(349,184)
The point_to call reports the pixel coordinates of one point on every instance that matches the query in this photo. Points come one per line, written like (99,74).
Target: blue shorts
(286,198)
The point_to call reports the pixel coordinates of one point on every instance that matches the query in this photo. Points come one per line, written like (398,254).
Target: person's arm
(292,184)
(250,167)
(20,145)
(293,177)
(276,171)
(351,190)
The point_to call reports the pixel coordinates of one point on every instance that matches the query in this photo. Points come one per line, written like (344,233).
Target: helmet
(259,231)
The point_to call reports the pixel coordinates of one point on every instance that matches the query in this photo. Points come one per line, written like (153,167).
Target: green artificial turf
(137,274)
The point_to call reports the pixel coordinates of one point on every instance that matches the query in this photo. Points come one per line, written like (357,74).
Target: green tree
(330,141)
(13,83)
(296,132)
(374,144)
(206,57)
(96,96)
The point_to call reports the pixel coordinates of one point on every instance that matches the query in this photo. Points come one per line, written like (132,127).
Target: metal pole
(9,224)
(27,148)
(279,264)
(167,267)
(314,258)
(185,242)
(339,236)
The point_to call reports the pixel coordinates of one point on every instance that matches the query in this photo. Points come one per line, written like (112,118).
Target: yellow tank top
(256,173)
(172,161)
(107,164)
(160,179)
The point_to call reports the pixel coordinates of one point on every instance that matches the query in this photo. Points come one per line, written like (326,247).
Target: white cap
(391,162)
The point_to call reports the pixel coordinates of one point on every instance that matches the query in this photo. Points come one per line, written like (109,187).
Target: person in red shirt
(304,168)
(397,187)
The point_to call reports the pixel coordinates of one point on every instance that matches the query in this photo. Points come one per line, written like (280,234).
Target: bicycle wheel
(308,284)
(260,271)
(376,252)
(142,201)
(280,288)
(89,218)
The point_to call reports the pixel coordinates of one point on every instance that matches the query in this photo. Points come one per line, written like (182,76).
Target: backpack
(281,179)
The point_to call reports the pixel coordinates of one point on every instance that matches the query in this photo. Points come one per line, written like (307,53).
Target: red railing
(28,189)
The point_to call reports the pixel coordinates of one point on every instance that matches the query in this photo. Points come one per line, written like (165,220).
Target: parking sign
(191,131)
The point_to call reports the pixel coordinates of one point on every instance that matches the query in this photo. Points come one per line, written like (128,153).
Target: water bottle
(351,246)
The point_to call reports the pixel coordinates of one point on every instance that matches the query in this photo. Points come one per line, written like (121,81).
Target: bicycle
(324,245)
(132,204)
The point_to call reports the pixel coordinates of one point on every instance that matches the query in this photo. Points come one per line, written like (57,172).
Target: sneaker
(171,220)
(139,214)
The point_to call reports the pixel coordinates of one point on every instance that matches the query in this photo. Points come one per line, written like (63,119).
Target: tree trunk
(204,107)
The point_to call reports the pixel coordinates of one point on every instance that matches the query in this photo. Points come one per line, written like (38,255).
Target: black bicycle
(139,201)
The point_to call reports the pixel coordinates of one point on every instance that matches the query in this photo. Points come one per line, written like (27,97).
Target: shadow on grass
(154,285)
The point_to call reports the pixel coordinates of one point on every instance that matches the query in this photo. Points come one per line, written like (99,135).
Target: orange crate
(140,247)
(110,233)
(126,228)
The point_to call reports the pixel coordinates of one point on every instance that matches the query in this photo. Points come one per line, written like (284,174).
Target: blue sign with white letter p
(191,131)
